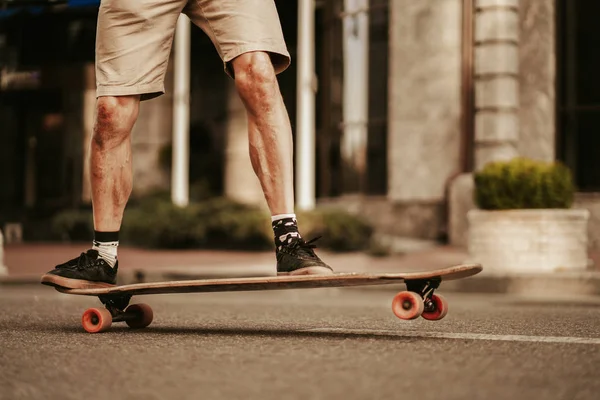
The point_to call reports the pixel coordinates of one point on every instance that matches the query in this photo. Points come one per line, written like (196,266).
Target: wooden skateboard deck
(277,282)
(418,300)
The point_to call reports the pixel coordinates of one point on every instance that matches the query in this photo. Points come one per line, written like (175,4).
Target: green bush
(340,231)
(522,183)
(73,225)
(231,225)
(159,224)
(217,223)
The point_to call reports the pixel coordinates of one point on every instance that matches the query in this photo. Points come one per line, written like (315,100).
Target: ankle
(106,244)
(285,229)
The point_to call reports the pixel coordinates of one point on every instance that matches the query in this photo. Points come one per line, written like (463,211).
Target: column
(181,114)
(496,81)
(356,95)
(424,99)
(537,93)
(305,120)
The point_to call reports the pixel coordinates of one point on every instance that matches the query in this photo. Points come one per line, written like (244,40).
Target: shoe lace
(303,246)
(84,260)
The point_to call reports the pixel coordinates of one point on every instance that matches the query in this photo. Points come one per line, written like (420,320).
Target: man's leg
(271,154)
(111,170)
(111,184)
(249,39)
(269,129)
(131,62)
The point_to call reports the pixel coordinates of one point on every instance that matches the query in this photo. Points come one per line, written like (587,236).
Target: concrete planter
(529,241)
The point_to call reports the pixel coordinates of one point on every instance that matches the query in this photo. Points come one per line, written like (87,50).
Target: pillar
(356,95)
(181,114)
(496,76)
(305,120)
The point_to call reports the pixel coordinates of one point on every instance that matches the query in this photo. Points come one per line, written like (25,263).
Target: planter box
(526,241)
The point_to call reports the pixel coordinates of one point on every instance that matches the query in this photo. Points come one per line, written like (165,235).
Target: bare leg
(271,153)
(111,169)
(269,129)
(111,181)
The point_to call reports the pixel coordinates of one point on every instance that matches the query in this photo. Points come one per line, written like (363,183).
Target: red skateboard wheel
(407,305)
(96,320)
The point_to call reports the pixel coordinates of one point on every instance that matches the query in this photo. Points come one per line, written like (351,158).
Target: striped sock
(285,228)
(106,243)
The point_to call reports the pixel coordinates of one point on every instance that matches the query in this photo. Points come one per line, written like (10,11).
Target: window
(578,90)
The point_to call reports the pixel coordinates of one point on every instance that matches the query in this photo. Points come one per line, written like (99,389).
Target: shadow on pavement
(199,331)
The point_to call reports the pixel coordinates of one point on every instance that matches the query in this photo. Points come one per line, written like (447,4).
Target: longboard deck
(278,282)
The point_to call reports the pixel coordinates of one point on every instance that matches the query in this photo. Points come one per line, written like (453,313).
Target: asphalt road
(303,344)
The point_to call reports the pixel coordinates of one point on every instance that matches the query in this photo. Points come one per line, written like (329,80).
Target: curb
(586,283)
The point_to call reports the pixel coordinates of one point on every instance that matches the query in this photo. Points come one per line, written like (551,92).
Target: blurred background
(408,98)
(428,133)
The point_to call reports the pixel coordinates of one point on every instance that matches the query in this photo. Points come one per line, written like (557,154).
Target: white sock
(282,216)
(107,251)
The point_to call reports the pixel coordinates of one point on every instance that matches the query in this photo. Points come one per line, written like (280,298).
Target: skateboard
(418,300)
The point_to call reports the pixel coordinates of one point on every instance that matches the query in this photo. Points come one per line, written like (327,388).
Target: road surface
(301,344)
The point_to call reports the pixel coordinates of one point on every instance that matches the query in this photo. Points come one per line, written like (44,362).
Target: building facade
(452,85)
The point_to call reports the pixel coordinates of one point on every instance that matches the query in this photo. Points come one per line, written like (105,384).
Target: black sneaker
(84,272)
(299,258)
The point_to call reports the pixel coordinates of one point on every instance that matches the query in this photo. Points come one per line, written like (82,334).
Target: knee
(254,73)
(115,117)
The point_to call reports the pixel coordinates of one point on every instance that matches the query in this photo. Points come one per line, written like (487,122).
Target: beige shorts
(134,39)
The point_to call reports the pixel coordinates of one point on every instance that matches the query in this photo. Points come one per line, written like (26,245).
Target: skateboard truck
(425,288)
(115,303)
(419,300)
(117,309)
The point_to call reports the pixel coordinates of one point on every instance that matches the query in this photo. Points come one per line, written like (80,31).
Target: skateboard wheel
(143,318)
(440,311)
(407,305)
(96,320)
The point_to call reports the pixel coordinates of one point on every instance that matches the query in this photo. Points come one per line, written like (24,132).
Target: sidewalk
(32,260)
(27,262)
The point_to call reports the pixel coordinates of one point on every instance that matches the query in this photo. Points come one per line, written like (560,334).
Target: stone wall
(496,77)
(460,202)
(523,241)
(418,220)
(424,98)
(423,112)
(537,58)
(591,202)
(515,60)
